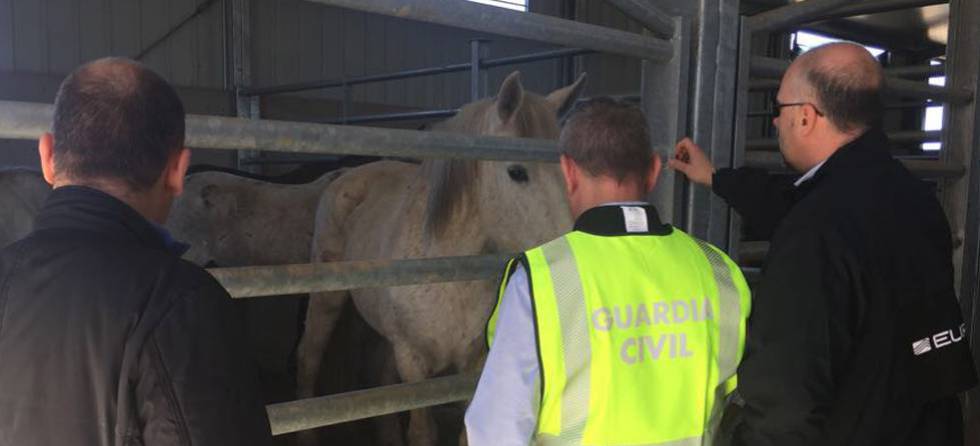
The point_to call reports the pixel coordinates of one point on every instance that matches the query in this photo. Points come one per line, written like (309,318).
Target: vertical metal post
(713,113)
(241,55)
(741,124)
(476,69)
(664,91)
(961,197)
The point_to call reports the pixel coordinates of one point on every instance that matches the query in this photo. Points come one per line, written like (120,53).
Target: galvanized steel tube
(769,67)
(869,7)
(22,120)
(645,12)
(256,281)
(522,25)
(312,413)
(773,68)
(909,136)
(809,11)
(792,14)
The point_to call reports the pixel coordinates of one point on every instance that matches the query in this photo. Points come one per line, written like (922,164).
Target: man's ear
(570,173)
(654,172)
(807,119)
(176,170)
(45,148)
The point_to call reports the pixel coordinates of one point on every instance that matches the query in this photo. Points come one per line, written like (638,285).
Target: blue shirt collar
(169,242)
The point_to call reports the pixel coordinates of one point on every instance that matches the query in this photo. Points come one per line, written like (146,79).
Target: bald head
(116,120)
(844,80)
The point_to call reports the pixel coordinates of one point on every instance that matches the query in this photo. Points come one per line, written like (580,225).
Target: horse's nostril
(211,264)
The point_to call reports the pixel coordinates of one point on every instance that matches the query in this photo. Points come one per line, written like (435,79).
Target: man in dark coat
(856,336)
(107,337)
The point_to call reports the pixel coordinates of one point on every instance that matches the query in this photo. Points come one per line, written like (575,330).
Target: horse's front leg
(321,318)
(412,366)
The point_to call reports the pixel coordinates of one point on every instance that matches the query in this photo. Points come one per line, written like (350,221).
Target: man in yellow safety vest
(625,331)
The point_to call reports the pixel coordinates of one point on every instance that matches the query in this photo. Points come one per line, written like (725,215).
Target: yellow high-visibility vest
(639,337)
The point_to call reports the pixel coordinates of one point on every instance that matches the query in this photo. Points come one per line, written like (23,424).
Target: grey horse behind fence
(395,210)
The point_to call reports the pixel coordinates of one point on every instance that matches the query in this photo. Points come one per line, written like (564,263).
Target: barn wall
(293,41)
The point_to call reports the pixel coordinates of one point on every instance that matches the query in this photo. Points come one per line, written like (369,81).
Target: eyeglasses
(777,107)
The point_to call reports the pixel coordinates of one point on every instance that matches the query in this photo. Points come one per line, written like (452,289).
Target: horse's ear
(510,97)
(563,99)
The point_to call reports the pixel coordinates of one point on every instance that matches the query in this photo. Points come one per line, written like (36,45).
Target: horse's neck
(463,234)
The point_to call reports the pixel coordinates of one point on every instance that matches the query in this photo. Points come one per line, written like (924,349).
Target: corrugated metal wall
(609,74)
(293,41)
(55,36)
(297,41)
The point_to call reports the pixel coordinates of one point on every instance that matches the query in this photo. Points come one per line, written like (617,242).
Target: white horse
(395,210)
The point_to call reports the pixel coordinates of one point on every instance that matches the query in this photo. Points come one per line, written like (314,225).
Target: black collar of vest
(608,220)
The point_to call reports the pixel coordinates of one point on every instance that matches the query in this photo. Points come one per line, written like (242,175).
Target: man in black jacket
(856,336)
(107,337)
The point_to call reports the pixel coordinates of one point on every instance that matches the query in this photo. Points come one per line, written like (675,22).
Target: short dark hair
(607,137)
(116,119)
(847,97)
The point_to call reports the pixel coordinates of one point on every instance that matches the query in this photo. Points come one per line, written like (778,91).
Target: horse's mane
(451,181)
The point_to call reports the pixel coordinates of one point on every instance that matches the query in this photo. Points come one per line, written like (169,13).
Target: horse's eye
(517,173)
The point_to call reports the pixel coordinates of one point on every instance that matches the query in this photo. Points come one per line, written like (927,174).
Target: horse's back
(359,210)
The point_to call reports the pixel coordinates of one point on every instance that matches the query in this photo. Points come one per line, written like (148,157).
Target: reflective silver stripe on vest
(551,440)
(729,321)
(575,334)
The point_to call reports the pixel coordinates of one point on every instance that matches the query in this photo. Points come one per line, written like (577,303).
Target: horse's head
(199,217)
(516,204)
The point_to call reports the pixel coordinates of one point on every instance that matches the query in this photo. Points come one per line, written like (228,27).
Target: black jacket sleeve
(197,385)
(760,198)
(797,338)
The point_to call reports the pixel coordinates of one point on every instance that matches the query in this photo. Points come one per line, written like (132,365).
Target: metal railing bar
(797,14)
(256,281)
(893,106)
(295,416)
(763,84)
(906,136)
(895,86)
(917,71)
(288,160)
(773,68)
(792,14)
(390,117)
(873,7)
(24,120)
(408,74)
(336,83)
(522,25)
(645,12)
(534,57)
(921,90)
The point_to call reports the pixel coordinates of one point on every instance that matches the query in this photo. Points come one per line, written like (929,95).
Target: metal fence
(664,78)
(666,51)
